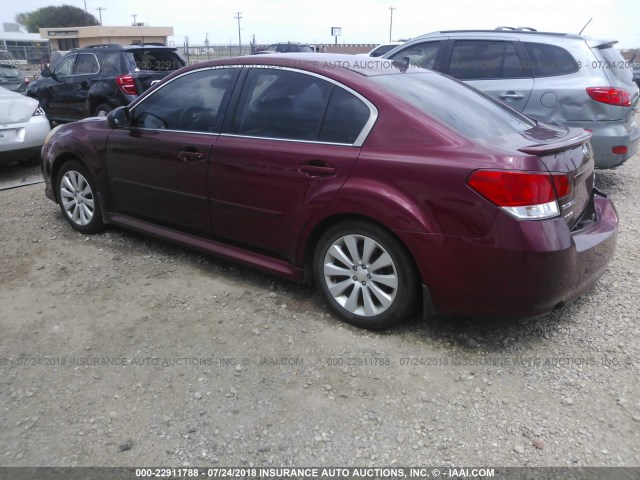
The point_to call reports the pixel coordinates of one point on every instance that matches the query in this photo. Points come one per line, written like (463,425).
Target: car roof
(321,63)
(110,47)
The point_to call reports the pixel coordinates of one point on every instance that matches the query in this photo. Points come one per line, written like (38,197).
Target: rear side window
(616,64)
(281,104)
(485,59)
(155,60)
(345,118)
(549,60)
(289,105)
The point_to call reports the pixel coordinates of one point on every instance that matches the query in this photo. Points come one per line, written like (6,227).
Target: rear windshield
(156,60)
(464,109)
(617,65)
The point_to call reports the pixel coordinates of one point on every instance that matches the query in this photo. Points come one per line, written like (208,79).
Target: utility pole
(391,22)
(85,6)
(100,9)
(134,18)
(238,17)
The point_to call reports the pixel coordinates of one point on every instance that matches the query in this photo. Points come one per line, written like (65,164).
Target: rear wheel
(366,275)
(77,198)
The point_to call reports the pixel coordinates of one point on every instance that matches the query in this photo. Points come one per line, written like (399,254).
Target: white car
(383,48)
(23,128)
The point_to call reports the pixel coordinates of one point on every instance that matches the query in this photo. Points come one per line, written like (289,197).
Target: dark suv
(93,80)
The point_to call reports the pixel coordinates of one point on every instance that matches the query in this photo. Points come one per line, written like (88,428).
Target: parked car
(11,78)
(23,128)
(560,78)
(384,186)
(92,81)
(289,47)
(383,48)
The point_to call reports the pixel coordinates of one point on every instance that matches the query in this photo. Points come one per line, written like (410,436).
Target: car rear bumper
(522,270)
(23,140)
(607,135)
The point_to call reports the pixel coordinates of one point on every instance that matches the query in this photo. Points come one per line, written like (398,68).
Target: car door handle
(512,95)
(317,170)
(191,157)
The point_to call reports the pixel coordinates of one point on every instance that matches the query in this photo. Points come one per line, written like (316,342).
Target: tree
(51,17)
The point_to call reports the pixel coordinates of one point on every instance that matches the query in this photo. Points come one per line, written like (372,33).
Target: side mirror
(119,118)
(46,72)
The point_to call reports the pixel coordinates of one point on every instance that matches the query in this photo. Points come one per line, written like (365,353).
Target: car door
(86,69)
(157,168)
(497,67)
(282,157)
(59,88)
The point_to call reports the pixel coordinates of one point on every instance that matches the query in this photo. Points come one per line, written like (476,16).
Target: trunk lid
(571,155)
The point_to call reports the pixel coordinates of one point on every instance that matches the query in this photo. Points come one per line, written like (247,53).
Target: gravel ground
(119,350)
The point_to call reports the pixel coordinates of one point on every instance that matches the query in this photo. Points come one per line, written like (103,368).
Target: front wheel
(77,198)
(366,275)
(102,110)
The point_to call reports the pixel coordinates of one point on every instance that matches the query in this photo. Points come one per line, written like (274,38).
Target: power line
(100,9)
(238,17)
(391,22)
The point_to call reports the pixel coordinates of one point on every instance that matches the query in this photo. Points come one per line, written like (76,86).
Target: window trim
(359,141)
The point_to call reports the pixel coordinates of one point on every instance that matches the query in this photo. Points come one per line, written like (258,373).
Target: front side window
(421,55)
(485,59)
(86,64)
(281,104)
(65,67)
(190,103)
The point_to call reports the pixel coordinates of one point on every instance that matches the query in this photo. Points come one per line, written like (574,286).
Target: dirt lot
(116,349)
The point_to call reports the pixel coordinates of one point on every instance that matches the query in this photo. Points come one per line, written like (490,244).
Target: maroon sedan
(388,187)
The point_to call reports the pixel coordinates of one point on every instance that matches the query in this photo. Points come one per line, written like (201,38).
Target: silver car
(560,78)
(23,128)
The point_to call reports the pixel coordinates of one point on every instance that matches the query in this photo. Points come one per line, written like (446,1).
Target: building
(24,48)
(66,38)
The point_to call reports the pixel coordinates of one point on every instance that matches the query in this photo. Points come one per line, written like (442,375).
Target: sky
(362,21)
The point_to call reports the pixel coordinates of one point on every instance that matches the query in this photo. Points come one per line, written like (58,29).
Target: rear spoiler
(563,144)
(601,44)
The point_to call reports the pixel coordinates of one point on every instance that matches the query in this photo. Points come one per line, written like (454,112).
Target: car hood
(15,108)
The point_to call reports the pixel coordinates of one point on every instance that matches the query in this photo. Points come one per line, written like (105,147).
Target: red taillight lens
(127,84)
(522,194)
(610,96)
(619,150)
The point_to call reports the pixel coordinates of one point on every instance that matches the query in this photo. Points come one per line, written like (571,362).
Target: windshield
(4,55)
(466,110)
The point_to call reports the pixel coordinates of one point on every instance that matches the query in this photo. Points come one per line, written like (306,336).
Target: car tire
(102,110)
(366,275)
(78,199)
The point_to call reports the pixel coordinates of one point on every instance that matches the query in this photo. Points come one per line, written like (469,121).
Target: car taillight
(610,96)
(127,84)
(526,196)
